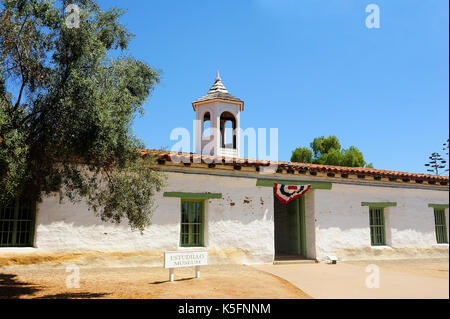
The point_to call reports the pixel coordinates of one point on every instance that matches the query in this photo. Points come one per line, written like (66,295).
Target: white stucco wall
(238,228)
(342,224)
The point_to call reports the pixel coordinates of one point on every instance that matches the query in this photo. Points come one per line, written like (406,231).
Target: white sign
(178,259)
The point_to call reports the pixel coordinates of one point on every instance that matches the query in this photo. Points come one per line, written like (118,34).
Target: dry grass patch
(15,259)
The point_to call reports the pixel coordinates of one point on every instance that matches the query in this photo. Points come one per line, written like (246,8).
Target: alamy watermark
(214,150)
(73,16)
(73,278)
(373,279)
(373,19)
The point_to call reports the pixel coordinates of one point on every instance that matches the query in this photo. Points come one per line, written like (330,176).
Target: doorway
(290,239)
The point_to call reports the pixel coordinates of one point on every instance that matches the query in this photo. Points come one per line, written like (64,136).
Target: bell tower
(217,130)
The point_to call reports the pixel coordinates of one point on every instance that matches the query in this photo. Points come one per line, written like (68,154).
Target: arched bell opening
(206,128)
(228,130)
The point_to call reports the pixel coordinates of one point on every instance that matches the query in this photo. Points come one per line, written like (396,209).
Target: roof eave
(198,103)
(291,166)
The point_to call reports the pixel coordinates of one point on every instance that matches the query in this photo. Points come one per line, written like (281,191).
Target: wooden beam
(438,205)
(193,195)
(379,204)
(314,185)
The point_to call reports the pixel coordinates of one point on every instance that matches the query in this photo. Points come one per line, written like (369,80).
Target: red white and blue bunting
(287,193)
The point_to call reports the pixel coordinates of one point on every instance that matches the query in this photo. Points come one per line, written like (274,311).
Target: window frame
(440,226)
(201,239)
(372,219)
(18,221)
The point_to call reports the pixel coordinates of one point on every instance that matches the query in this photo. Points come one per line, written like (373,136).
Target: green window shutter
(192,223)
(377,226)
(17,220)
(440,226)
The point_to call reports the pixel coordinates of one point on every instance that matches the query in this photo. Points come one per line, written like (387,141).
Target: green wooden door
(192,220)
(301,226)
(290,236)
(293,228)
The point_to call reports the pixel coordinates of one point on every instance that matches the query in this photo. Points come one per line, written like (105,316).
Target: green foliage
(333,157)
(352,157)
(68,97)
(439,164)
(327,151)
(302,155)
(322,146)
(436,164)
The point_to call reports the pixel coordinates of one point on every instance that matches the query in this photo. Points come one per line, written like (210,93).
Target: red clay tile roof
(292,166)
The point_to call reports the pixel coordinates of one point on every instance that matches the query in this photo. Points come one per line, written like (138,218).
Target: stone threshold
(294,261)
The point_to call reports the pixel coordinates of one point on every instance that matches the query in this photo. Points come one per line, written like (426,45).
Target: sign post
(179,259)
(197,271)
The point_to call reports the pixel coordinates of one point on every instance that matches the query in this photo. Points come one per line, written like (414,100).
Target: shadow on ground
(162,282)
(79,295)
(12,288)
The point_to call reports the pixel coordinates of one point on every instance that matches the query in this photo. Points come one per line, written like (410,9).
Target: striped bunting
(287,193)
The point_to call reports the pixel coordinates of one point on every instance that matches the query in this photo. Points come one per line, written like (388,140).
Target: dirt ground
(438,268)
(221,282)
(45,277)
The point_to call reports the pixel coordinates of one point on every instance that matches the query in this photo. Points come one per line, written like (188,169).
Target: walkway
(345,281)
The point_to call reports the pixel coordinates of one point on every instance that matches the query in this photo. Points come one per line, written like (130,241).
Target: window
(192,220)
(440,226)
(17,224)
(377,230)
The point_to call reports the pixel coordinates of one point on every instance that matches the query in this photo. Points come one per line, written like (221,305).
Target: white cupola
(218,122)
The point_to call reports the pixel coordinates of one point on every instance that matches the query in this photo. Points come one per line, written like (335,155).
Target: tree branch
(20,64)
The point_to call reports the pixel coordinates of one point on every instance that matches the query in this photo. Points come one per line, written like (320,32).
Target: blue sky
(308,68)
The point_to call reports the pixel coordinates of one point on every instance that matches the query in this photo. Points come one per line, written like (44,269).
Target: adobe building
(224,204)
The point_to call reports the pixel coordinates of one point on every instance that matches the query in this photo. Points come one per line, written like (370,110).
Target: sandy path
(427,267)
(399,279)
(221,282)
